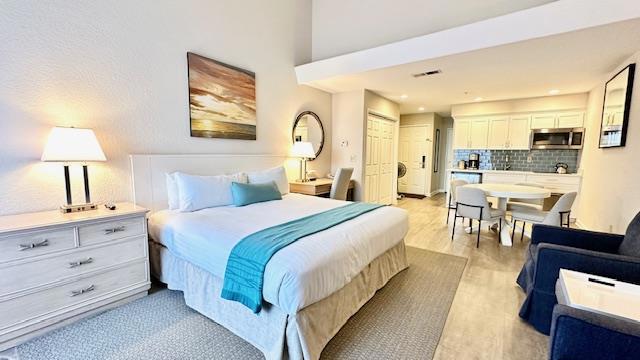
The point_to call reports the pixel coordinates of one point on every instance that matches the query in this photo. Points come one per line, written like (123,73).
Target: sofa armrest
(583,239)
(551,258)
(581,334)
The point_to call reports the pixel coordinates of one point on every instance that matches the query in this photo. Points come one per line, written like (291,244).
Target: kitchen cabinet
(470,133)
(509,133)
(565,119)
(479,136)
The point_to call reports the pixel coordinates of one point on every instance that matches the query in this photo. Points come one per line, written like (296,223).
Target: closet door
(387,168)
(372,161)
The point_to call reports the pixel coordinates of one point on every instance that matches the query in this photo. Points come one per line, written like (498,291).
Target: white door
(461,132)
(519,132)
(479,134)
(387,168)
(413,154)
(498,133)
(372,161)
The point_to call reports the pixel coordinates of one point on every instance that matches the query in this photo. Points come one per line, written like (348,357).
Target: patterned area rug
(404,320)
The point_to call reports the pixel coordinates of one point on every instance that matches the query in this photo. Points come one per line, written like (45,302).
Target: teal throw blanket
(244,275)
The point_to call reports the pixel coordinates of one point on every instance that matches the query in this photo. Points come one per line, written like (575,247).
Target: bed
(311,287)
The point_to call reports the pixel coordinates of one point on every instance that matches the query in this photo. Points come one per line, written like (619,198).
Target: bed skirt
(278,335)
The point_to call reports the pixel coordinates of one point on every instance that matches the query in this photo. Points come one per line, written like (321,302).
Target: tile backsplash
(541,160)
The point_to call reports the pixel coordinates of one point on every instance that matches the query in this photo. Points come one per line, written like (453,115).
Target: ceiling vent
(427,73)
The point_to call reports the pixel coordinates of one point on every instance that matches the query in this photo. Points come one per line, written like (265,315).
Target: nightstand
(319,187)
(57,268)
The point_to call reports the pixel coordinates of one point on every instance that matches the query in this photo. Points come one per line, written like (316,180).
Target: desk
(318,187)
(505,191)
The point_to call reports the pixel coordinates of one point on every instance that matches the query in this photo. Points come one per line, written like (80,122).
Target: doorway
(415,152)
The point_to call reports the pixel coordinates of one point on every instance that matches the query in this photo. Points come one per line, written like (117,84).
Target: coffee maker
(474,161)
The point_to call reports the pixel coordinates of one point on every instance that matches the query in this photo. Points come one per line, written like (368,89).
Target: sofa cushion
(630,246)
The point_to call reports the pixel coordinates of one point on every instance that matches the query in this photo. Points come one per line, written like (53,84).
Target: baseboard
(435,192)
(579,225)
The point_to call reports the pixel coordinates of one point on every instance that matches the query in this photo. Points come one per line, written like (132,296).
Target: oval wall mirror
(308,127)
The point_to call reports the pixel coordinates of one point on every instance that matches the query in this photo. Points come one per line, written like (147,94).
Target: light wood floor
(483,322)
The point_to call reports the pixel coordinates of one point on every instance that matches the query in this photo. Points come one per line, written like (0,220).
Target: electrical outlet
(354,158)
(529,159)
(610,228)
(344,143)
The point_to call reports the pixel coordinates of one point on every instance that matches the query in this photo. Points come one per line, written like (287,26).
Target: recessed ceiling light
(478,99)
(404,96)
(420,108)
(554,92)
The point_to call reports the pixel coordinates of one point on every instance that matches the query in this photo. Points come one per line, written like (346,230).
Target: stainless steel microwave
(571,138)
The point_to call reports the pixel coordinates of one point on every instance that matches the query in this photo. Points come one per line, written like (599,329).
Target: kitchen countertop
(481,171)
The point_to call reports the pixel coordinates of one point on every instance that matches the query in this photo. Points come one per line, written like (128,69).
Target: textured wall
(541,160)
(120,68)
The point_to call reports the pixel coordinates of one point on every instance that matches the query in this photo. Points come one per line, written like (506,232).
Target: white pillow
(173,196)
(201,192)
(277,174)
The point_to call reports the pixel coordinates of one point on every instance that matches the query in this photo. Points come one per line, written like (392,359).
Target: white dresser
(56,268)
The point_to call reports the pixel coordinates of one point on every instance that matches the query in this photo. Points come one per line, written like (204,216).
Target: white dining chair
(453,185)
(516,204)
(555,217)
(472,203)
(340,185)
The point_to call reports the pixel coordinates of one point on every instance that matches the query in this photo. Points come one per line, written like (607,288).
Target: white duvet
(302,273)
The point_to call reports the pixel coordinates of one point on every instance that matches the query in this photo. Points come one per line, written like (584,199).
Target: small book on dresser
(56,268)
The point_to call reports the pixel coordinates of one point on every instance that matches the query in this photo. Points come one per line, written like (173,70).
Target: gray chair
(554,217)
(340,186)
(451,205)
(472,203)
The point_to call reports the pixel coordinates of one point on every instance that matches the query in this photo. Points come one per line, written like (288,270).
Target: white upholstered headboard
(148,171)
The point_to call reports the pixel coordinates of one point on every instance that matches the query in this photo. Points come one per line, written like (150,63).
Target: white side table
(598,294)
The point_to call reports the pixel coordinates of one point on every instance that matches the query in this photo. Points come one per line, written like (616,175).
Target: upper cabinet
(565,119)
(509,131)
(472,133)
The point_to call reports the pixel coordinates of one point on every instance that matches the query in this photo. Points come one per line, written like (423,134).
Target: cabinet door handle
(114,230)
(75,264)
(42,243)
(82,291)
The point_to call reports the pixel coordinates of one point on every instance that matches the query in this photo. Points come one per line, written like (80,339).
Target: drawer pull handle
(75,264)
(82,291)
(114,230)
(44,242)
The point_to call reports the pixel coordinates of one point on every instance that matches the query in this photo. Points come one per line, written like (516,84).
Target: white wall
(349,116)
(545,103)
(610,196)
(344,26)
(120,68)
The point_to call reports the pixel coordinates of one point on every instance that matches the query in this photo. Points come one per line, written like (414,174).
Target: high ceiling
(573,62)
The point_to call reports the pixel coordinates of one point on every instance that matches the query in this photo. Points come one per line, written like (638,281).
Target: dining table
(503,192)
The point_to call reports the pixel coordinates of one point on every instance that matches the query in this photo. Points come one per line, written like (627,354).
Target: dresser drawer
(25,245)
(35,273)
(57,299)
(110,230)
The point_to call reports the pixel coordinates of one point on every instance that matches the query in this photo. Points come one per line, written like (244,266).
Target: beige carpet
(404,320)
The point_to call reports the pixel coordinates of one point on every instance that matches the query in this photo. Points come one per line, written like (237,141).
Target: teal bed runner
(244,275)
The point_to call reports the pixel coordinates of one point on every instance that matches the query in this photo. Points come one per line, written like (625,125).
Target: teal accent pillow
(245,194)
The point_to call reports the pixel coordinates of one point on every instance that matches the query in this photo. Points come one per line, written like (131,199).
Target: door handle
(424,159)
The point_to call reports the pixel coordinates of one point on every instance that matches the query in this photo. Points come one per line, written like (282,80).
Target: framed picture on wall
(222,99)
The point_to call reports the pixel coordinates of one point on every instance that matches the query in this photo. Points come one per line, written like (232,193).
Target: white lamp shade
(72,144)
(303,149)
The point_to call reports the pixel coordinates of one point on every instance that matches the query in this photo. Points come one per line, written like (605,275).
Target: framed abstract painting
(222,100)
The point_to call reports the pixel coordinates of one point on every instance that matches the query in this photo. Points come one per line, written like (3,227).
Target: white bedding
(302,273)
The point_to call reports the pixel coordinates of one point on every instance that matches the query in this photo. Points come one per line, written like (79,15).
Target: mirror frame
(295,123)
(627,107)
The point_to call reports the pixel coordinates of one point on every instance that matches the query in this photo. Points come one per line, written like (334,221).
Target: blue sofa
(610,255)
(585,335)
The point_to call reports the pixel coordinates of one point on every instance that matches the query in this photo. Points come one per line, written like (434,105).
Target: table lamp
(303,150)
(70,145)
